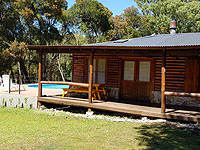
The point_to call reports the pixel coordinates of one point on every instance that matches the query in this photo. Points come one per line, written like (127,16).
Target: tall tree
(160,12)
(29,21)
(125,25)
(11,28)
(41,18)
(90,18)
(16,54)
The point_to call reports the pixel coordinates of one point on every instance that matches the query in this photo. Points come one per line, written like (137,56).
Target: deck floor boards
(133,109)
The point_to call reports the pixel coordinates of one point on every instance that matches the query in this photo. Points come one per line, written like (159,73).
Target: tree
(41,18)
(160,12)
(11,28)
(90,18)
(132,16)
(16,54)
(125,25)
(30,22)
(188,17)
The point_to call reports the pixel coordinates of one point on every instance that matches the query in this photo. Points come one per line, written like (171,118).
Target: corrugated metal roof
(157,40)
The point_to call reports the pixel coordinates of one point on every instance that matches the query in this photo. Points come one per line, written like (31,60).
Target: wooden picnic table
(83,88)
(97,91)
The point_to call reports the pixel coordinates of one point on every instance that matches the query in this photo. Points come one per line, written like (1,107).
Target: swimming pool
(49,86)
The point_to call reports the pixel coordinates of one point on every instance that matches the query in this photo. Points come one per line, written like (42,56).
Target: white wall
(18,101)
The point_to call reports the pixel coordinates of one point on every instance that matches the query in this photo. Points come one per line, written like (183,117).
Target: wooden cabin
(131,68)
(161,68)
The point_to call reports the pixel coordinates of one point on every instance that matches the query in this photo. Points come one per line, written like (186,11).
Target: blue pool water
(50,86)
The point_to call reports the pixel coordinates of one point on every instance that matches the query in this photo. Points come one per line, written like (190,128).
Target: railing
(182,94)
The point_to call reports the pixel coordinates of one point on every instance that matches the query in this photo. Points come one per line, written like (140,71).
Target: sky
(116,6)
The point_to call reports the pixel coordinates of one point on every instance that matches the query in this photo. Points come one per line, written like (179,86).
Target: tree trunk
(24,71)
(12,74)
(76,35)
(60,68)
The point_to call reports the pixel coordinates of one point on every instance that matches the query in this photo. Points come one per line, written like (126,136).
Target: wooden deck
(148,111)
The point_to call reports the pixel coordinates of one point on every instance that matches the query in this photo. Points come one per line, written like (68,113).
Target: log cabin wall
(175,74)
(182,75)
(175,71)
(113,72)
(175,77)
(113,77)
(78,69)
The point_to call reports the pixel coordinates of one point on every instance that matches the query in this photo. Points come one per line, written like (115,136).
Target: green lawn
(28,129)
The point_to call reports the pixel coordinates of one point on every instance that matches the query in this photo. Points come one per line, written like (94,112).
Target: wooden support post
(91,78)
(39,104)
(40,75)
(163,70)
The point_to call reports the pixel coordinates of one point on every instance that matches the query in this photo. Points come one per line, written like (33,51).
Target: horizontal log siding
(113,72)
(174,75)
(78,69)
(175,70)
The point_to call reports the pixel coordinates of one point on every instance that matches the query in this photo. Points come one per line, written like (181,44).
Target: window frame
(136,72)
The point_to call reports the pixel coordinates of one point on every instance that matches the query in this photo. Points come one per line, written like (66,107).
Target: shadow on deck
(137,108)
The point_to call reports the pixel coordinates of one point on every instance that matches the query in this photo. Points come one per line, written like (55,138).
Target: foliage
(30,22)
(126,25)
(11,27)
(160,12)
(40,17)
(16,51)
(90,18)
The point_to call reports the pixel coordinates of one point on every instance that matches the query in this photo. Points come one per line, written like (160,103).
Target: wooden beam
(163,70)
(40,75)
(91,78)
(182,94)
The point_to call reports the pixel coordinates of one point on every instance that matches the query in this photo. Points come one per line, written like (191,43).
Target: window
(144,71)
(101,71)
(99,66)
(129,67)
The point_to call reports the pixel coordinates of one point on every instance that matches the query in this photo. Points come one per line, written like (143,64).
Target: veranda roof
(152,42)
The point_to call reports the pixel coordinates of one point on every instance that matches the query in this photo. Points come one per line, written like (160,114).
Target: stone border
(175,100)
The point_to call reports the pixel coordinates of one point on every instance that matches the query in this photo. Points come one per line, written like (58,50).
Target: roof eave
(44,47)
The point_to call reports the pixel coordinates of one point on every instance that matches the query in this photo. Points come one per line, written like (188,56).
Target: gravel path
(145,120)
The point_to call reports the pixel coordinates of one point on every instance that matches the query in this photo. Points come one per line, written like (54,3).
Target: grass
(26,129)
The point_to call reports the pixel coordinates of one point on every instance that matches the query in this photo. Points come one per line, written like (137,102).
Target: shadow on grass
(164,137)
